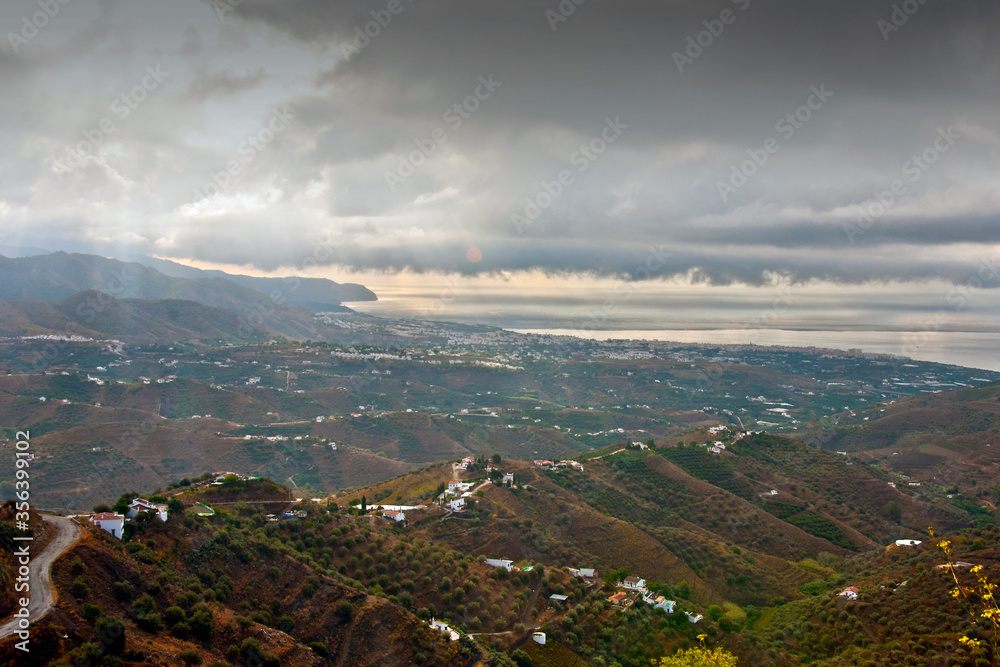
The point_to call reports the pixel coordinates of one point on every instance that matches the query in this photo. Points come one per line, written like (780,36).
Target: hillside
(93,314)
(636,506)
(315,294)
(56,277)
(945,443)
(227,592)
(338,586)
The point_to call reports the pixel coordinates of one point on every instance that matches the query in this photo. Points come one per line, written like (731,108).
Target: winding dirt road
(40,583)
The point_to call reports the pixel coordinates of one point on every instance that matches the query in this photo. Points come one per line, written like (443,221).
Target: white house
(445,628)
(538,637)
(694,618)
(508,478)
(659,602)
(633,584)
(458,487)
(849,593)
(907,543)
(394,515)
(109,522)
(457,504)
(497,562)
(142,505)
(583,572)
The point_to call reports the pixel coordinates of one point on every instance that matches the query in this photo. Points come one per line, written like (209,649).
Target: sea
(903,324)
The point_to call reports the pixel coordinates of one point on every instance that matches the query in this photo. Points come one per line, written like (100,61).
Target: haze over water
(800,317)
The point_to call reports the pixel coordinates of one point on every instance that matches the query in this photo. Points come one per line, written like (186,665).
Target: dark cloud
(207,84)
(176,176)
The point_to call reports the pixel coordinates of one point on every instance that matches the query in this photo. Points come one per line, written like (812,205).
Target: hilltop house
(617,599)
(694,618)
(849,593)
(142,505)
(557,600)
(907,543)
(457,504)
(633,584)
(583,572)
(498,562)
(458,487)
(109,522)
(445,628)
(508,478)
(659,602)
(394,515)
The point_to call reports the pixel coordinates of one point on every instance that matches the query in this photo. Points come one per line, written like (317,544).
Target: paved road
(41,565)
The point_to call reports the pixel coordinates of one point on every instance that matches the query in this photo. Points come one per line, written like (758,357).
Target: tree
(891,511)
(175,505)
(233,482)
(111,632)
(364,504)
(714,612)
(121,507)
(496,459)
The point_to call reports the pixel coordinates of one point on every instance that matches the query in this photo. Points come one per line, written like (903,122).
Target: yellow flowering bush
(700,656)
(980,596)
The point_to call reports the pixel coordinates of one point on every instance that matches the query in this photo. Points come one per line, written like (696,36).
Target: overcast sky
(717,142)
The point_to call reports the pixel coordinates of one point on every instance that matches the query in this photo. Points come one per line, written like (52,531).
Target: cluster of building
(555,465)
(638,585)
(114,523)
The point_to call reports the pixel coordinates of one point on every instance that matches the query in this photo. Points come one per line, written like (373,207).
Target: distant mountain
(57,276)
(22,251)
(95,314)
(316,294)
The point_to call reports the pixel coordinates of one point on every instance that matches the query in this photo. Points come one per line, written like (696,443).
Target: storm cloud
(739,142)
